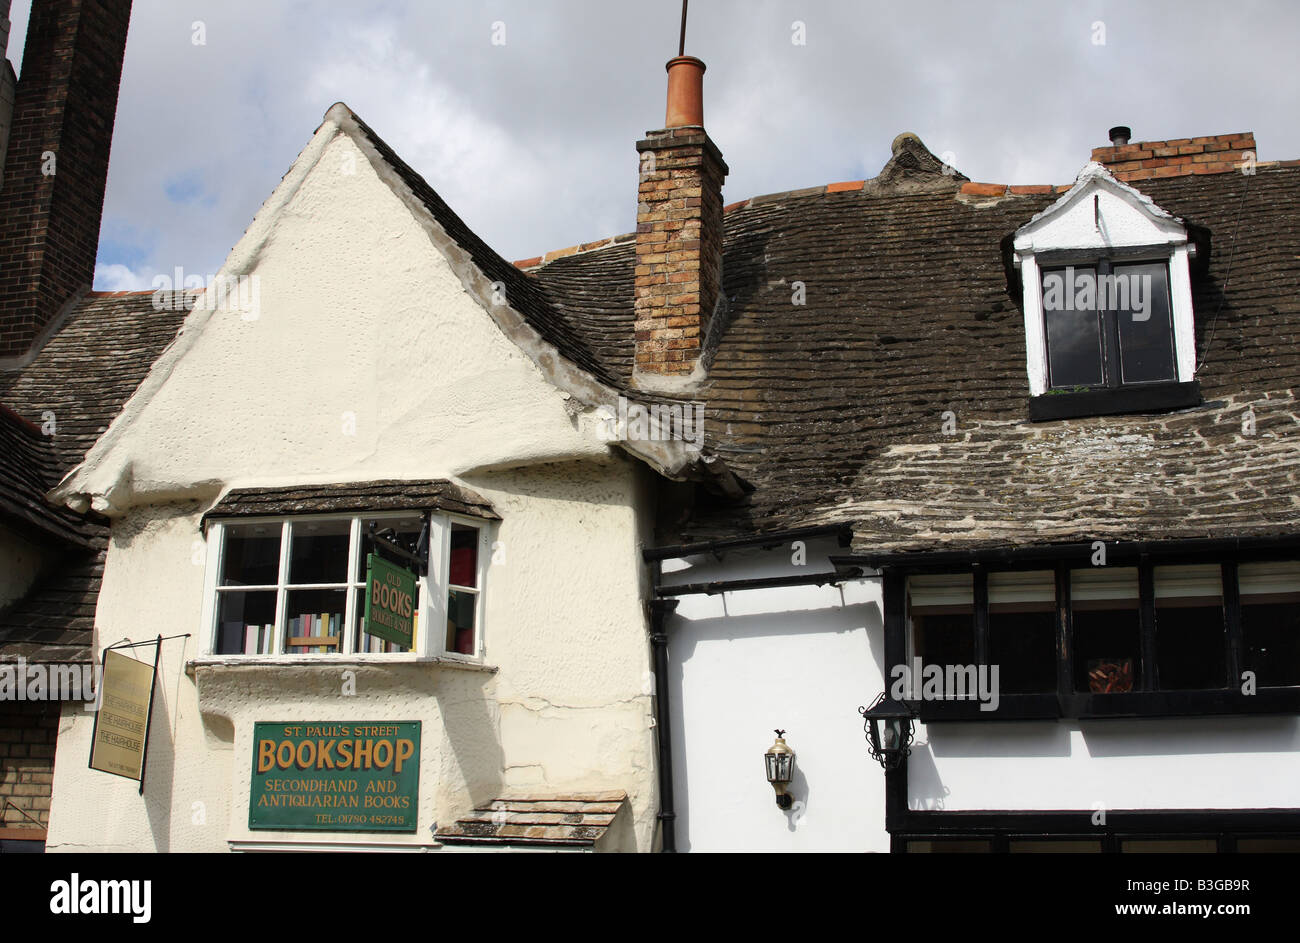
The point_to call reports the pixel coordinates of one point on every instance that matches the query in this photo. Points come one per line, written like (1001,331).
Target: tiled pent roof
(388,495)
(833,409)
(574,819)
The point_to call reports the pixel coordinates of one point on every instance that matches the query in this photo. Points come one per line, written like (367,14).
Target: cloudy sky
(523,114)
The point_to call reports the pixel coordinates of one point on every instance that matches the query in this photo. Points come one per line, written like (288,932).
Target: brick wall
(1177,158)
(65,104)
(678,248)
(28,730)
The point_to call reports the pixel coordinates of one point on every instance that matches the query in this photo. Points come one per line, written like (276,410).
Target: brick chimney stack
(1182,157)
(678,275)
(56,165)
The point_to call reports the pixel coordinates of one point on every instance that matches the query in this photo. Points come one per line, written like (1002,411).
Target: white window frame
(440,575)
(432,588)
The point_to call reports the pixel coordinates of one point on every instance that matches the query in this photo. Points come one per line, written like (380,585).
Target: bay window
(297,585)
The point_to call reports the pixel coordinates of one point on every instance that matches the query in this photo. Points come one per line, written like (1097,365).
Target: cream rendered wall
(360,313)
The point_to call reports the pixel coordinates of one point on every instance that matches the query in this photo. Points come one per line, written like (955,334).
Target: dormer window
(1107,303)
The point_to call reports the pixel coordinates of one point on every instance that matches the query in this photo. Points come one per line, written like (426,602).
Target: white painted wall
(361,312)
(1157,763)
(743,663)
(805,658)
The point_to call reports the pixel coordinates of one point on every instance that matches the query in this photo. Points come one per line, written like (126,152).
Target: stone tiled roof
(27,471)
(81,376)
(387,495)
(87,371)
(575,819)
(833,409)
(55,620)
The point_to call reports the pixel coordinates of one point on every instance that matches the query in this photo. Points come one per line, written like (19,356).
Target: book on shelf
(257,639)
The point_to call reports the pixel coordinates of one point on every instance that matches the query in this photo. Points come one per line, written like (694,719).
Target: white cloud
(118,277)
(532,143)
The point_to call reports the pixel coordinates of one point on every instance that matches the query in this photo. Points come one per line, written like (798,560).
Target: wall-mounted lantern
(888,726)
(780,769)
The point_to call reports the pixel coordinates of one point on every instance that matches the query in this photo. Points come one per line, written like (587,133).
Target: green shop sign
(335,777)
(390,601)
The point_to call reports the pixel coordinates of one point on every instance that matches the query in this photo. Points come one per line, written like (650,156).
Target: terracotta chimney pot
(685,92)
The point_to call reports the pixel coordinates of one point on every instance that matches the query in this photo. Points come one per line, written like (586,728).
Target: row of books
(327,625)
(259,639)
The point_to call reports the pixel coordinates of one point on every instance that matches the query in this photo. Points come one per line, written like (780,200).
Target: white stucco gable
(348,336)
(1099,212)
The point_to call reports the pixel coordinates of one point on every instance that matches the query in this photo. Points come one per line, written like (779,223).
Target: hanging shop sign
(390,601)
(335,777)
(120,742)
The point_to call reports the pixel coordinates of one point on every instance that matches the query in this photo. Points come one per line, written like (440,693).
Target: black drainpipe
(660,609)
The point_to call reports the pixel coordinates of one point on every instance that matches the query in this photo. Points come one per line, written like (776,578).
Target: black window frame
(1148,699)
(1112,355)
(1112,396)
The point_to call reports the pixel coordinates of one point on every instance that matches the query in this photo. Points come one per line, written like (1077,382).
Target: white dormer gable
(1108,233)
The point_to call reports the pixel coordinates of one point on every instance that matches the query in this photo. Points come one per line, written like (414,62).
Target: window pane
(315,615)
(1074,338)
(1104,609)
(245,622)
(1190,631)
(1139,294)
(460,622)
(941,617)
(403,531)
(951,846)
(1022,630)
(251,556)
(464,556)
(1180,846)
(374,645)
(1268,845)
(318,551)
(1054,846)
(1270,621)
